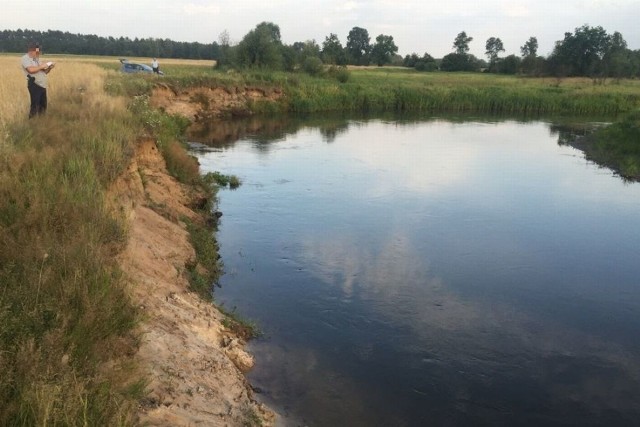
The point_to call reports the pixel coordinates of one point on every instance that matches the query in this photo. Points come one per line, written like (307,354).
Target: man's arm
(35,68)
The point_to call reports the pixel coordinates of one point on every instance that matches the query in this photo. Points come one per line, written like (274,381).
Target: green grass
(207,268)
(389,89)
(398,90)
(223,180)
(64,311)
(617,146)
(244,328)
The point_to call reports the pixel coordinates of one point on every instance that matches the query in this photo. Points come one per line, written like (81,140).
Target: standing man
(155,66)
(36,74)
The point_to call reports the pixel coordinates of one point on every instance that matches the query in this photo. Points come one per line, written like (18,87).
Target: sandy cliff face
(195,366)
(206,103)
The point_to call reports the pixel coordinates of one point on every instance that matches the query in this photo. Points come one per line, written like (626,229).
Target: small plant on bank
(223,180)
(246,329)
(207,267)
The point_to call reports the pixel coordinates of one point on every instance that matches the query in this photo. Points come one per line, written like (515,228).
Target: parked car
(133,67)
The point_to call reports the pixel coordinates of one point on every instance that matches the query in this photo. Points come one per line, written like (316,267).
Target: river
(431,272)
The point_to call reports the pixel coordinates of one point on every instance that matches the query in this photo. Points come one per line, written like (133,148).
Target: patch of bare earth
(205,103)
(194,365)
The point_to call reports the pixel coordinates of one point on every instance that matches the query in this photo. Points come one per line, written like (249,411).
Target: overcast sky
(416,25)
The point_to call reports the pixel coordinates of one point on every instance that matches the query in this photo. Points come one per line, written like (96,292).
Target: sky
(416,25)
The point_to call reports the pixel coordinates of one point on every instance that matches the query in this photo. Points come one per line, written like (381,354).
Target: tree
(424,63)
(459,62)
(225,57)
(581,53)
(332,51)
(494,47)
(530,48)
(383,50)
(358,46)
(461,43)
(297,54)
(618,60)
(410,61)
(508,65)
(261,47)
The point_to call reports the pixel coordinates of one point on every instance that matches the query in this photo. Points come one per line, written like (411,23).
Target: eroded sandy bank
(194,365)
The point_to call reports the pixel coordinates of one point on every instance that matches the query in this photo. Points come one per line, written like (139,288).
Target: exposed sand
(195,366)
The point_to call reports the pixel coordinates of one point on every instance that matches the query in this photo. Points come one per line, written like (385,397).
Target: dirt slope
(195,366)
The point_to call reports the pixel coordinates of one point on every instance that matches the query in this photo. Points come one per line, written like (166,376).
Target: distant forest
(81,44)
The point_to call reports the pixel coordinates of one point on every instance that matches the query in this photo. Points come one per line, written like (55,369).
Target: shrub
(341,74)
(312,66)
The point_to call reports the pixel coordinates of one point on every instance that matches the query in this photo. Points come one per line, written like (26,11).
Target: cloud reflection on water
(496,339)
(467,349)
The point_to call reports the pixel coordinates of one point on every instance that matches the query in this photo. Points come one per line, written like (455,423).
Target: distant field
(115,59)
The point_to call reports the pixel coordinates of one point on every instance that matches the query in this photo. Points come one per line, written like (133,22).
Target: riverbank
(384,89)
(101,318)
(616,146)
(194,364)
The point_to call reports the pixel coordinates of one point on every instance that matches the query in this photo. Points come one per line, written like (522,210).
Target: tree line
(262,47)
(82,44)
(587,51)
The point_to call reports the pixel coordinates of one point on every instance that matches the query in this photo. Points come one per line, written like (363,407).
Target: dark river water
(437,272)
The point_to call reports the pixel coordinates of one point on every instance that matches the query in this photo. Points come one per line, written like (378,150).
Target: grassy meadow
(65,319)
(391,89)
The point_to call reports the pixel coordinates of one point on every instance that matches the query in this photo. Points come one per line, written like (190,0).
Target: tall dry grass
(69,77)
(64,312)
(14,98)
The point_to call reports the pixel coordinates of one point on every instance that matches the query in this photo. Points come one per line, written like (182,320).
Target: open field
(70,75)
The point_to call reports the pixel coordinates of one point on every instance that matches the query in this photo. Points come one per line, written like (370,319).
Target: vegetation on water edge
(617,146)
(240,326)
(224,180)
(387,89)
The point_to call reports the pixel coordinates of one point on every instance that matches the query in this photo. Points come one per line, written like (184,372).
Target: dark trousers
(38,97)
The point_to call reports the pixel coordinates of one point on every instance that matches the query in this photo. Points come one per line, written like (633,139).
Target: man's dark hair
(33,45)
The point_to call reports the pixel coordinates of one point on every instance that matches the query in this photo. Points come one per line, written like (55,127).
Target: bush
(426,65)
(312,66)
(341,74)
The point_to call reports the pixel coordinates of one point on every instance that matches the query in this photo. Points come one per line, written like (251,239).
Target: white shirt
(40,76)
